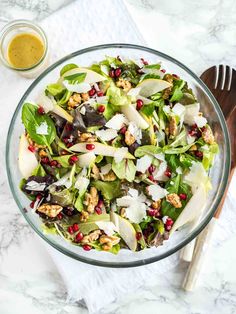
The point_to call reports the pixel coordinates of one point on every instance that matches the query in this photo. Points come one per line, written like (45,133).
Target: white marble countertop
(196,32)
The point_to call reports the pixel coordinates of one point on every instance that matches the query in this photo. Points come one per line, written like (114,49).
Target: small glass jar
(17,27)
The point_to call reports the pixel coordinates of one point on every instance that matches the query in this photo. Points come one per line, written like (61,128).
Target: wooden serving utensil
(222,83)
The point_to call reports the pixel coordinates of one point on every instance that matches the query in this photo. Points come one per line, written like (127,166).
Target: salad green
(116,155)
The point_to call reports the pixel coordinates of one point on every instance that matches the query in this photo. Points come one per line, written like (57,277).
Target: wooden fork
(222,83)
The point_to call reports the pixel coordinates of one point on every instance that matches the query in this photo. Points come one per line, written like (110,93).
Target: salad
(116,155)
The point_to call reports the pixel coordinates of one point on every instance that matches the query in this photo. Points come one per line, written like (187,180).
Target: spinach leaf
(125,169)
(68,67)
(32,120)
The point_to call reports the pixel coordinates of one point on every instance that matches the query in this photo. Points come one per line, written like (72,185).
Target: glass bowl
(219,172)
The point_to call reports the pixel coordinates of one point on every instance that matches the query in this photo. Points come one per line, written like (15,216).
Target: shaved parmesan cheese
(179,170)
(101,100)
(178,109)
(135,131)
(120,154)
(196,176)
(156,192)
(143,163)
(42,129)
(105,169)
(77,88)
(117,122)
(65,180)
(83,110)
(133,192)
(164,218)
(35,186)
(159,173)
(81,183)
(107,226)
(200,121)
(104,68)
(166,109)
(191,111)
(106,135)
(136,212)
(160,136)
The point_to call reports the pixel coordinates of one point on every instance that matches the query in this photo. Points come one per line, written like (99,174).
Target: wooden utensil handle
(202,245)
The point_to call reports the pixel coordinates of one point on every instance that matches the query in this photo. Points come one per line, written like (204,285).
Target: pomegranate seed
(92,92)
(73,159)
(192,132)
(169,222)
(203,128)
(151,169)
(163,70)
(45,160)
(32,204)
(69,145)
(117,72)
(100,203)
(68,127)
(101,108)
(123,130)
(144,62)
(79,237)
(58,165)
(87,247)
(183,196)
(100,94)
(168,228)
(53,163)
(194,126)
(41,110)
(175,76)
(152,212)
(155,128)
(31,148)
(90,146)
(151,178)
(98,210)
(59,216)
(198,153)
(39,197)
(139,103)
(75,227)
(138,236)
(70,230)
(65,140)
(112,73)
(168,173)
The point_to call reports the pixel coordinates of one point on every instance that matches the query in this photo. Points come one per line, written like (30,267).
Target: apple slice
(27,160)
(49,104)
(134,116)
(91,76)
(99,149)
(149,87)
(85,160)
(193,208)
(125,230)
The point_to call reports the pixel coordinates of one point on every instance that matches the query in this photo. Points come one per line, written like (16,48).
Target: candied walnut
(95,172)
(167,91)
(87,137)
(156,204)
(110,176)
(92,236)
(207,135)
(50,210)
(126,85)
(84,216)
(129,138)
(108,242)
(174,200)
(193,147)
(91,199)
(85,96)
(74,101)
(42,153)
(173,126)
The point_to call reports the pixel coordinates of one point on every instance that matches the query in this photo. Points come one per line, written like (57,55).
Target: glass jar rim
(22,23)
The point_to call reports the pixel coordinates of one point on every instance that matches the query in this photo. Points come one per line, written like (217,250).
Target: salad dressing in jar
(24,48)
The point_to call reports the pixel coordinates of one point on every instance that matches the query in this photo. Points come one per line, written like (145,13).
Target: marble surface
(197,33)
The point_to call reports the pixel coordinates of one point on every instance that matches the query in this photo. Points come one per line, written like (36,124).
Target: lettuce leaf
(147,150)
(109,190)
(125,169)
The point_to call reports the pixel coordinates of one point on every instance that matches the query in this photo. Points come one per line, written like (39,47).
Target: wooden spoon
(222,84)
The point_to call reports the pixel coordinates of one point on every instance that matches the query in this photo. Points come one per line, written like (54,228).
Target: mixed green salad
(116,155)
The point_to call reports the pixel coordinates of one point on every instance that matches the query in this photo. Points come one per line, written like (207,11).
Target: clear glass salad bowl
(218,174)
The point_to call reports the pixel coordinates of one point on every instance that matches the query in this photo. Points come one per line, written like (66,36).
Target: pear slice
(149,87)
(91,76)
(27,160)
(125,230)
(86,159)
(134,116)
(49,104)
(99,149)
(193,208)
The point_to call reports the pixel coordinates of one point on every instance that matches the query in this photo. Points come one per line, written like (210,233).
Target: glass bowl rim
(223,182)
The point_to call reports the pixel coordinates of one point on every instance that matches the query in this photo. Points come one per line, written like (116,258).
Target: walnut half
(108,242)
(91,199)
(50,210)
(174,200)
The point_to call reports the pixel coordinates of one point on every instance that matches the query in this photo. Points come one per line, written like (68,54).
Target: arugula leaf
(147,150)
(109,190)
(31,120)
(177,93)
(68,67)
(125,169)
(173,162)
(75,78)
(54,89)
(186,160)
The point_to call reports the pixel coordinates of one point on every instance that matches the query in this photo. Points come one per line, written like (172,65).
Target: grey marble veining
(198,33)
